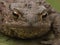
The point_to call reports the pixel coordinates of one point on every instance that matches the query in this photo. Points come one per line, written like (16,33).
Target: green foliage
(55,4)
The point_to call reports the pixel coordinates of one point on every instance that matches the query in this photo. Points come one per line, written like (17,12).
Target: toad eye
(17,14)
(43,15)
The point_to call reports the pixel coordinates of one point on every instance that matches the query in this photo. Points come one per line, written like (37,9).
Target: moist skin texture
(29,19)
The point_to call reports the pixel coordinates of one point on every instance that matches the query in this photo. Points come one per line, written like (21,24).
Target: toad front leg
(56,29)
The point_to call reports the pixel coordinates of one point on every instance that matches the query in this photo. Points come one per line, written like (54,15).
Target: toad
(29,19)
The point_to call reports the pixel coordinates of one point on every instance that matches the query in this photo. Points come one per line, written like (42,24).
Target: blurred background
(55,4)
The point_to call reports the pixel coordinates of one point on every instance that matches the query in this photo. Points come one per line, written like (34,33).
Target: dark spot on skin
(39,3)
(25,5)
(28,6)
(2,3)
(2,19)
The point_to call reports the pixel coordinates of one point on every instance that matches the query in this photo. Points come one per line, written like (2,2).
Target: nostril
(28,6)
(31,18)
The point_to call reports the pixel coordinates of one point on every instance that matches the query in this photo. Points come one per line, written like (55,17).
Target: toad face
(26,20)
(29,12)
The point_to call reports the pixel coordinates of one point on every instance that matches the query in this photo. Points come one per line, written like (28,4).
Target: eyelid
(16,11)
(44,12)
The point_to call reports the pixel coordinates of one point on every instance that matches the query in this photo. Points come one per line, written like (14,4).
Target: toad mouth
(24,31)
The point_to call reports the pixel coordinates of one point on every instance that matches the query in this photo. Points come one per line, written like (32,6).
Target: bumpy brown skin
(31,25)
